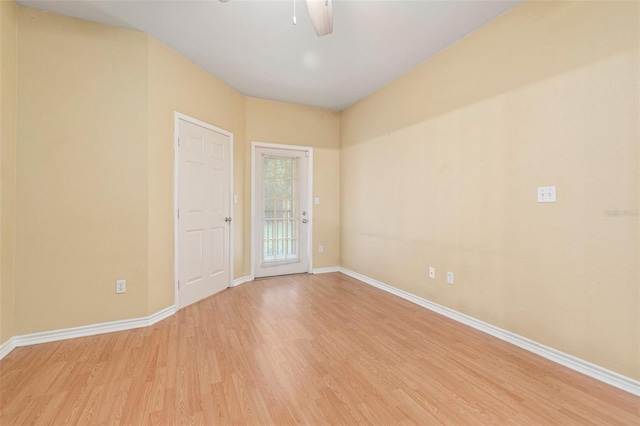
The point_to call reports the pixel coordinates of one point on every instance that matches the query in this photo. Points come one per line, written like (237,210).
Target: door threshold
(283,275)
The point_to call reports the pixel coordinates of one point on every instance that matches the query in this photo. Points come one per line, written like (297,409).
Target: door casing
(309,198)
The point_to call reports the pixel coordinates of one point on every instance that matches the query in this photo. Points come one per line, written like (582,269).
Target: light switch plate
(546,194)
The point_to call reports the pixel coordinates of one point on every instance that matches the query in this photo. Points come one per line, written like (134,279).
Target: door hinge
(178,284)
(178,141)
(178,213)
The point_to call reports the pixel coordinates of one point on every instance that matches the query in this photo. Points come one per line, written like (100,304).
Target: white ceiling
(253,46)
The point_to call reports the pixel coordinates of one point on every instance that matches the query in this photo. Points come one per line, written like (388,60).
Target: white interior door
(282,218)
(203,212)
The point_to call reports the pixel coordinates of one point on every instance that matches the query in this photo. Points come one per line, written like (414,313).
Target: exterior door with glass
(282,219)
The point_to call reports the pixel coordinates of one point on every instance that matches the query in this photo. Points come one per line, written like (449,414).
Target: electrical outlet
(449,277)
(320,249)
(546,194)
(121,286)
(432,272)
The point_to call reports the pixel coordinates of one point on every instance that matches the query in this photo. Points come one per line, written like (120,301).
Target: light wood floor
(319,349)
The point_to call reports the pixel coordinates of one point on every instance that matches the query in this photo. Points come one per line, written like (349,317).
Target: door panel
(216,240)
(281,212)
(193,262)
(203,205)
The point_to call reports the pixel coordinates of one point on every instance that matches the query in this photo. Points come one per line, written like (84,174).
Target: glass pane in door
(280,196)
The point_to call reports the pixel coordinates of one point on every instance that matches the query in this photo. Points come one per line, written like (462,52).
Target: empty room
(272,212)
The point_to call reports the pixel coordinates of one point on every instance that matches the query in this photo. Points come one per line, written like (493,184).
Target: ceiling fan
(321,14)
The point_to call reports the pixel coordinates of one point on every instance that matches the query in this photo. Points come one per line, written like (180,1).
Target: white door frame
(176,264)
(309,149)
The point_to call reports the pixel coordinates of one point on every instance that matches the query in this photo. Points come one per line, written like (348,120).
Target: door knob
(304,220)
(227,219)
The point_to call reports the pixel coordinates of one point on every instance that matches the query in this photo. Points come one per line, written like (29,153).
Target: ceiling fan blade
(321,14)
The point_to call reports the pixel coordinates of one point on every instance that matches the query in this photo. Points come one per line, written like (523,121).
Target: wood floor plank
(302,349)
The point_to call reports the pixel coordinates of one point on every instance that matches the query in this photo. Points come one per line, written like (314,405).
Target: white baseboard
(241,280)
(592,370)
(7,347)
(326,270)
(83,331)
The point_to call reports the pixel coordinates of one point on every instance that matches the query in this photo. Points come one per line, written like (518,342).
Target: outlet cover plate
(449,277)
(546,194)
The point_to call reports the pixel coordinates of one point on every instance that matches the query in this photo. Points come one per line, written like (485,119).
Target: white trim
(7,347)
(241,280)
(83,331)
(326,270)
(585,367)
(308,149)
(176,163)
(253,208)
(231,209)
(177,116)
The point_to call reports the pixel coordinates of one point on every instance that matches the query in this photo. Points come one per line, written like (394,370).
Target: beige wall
(8,106)
(95,168)
(82,173)
(441,166)
(284,123)
(176,84)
